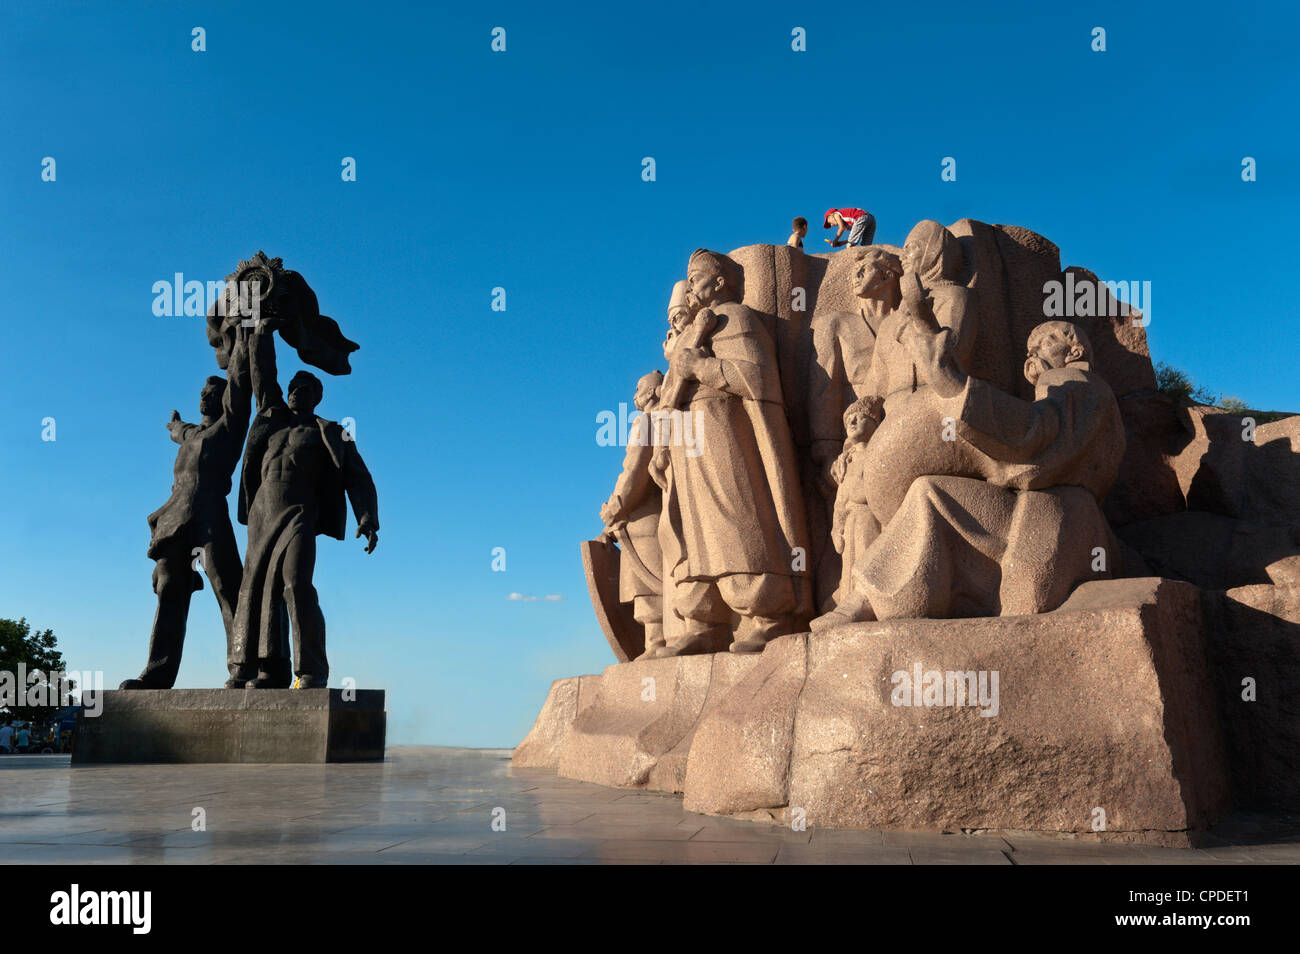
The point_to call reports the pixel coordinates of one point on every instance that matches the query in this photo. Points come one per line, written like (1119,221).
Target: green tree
(1178,384)
(1234,405)
(37,651)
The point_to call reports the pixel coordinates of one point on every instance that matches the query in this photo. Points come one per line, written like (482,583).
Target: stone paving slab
(426,805)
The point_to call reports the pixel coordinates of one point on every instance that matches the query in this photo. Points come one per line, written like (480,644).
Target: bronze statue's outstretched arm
(236,402)
(266,389)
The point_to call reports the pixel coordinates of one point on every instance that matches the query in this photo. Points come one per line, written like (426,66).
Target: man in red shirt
(860,224)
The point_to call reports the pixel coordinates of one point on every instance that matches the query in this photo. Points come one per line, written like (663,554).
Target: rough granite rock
(639,712)
(1118,337)
(1213,551)
(1148,483)
(740,756)
(1070,736)
(541,747)
(766,735)
(1254,633)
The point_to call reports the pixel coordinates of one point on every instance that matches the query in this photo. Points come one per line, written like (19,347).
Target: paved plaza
(437,806)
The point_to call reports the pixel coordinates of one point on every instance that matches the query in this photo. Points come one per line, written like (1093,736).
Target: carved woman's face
(912,257)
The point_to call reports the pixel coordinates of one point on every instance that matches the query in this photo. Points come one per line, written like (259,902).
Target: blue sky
(522,170)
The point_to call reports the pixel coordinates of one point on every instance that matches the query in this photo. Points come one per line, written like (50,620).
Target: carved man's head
(877,271)
(646,389)
(305,392)
(214,389)
(1055,344)
(713,279)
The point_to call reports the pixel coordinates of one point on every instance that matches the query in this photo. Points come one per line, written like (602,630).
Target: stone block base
(234,725)
(1095,721)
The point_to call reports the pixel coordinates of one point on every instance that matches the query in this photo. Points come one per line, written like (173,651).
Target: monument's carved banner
(937,557)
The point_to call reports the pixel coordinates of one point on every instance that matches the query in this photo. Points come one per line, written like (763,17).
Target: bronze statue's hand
(371,535)
(264,324)
(175,422)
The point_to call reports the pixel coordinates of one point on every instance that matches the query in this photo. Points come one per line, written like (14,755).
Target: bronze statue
(297,469)
(196,519)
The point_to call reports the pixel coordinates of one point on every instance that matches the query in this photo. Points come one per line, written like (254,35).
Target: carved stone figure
(297,470)
(962,489)
(679,313)
(196,518)
(736,491)
(1019,535)
(631,517)
(930,294)
(842,347)
(854,527)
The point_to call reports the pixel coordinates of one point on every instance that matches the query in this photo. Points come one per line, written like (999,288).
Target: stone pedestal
(234,725)
(1101,723)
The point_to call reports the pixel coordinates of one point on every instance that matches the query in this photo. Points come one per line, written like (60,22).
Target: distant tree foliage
(1234,405)
(19,644)
(1178,385)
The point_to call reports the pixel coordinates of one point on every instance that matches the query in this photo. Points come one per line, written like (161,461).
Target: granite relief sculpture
(1023,535)
(913,477)
(736,493)
(631,517)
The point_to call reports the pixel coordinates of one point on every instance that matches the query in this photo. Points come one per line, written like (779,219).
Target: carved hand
(931,354)
(686,362)
(371,535)
(175,422)
(659,464)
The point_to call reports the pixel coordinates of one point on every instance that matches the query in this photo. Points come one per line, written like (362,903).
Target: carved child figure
(854,528)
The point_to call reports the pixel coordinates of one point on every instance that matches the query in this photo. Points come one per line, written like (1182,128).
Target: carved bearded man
(736,495)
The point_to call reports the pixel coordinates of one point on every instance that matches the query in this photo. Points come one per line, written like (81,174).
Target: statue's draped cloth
(737,494)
